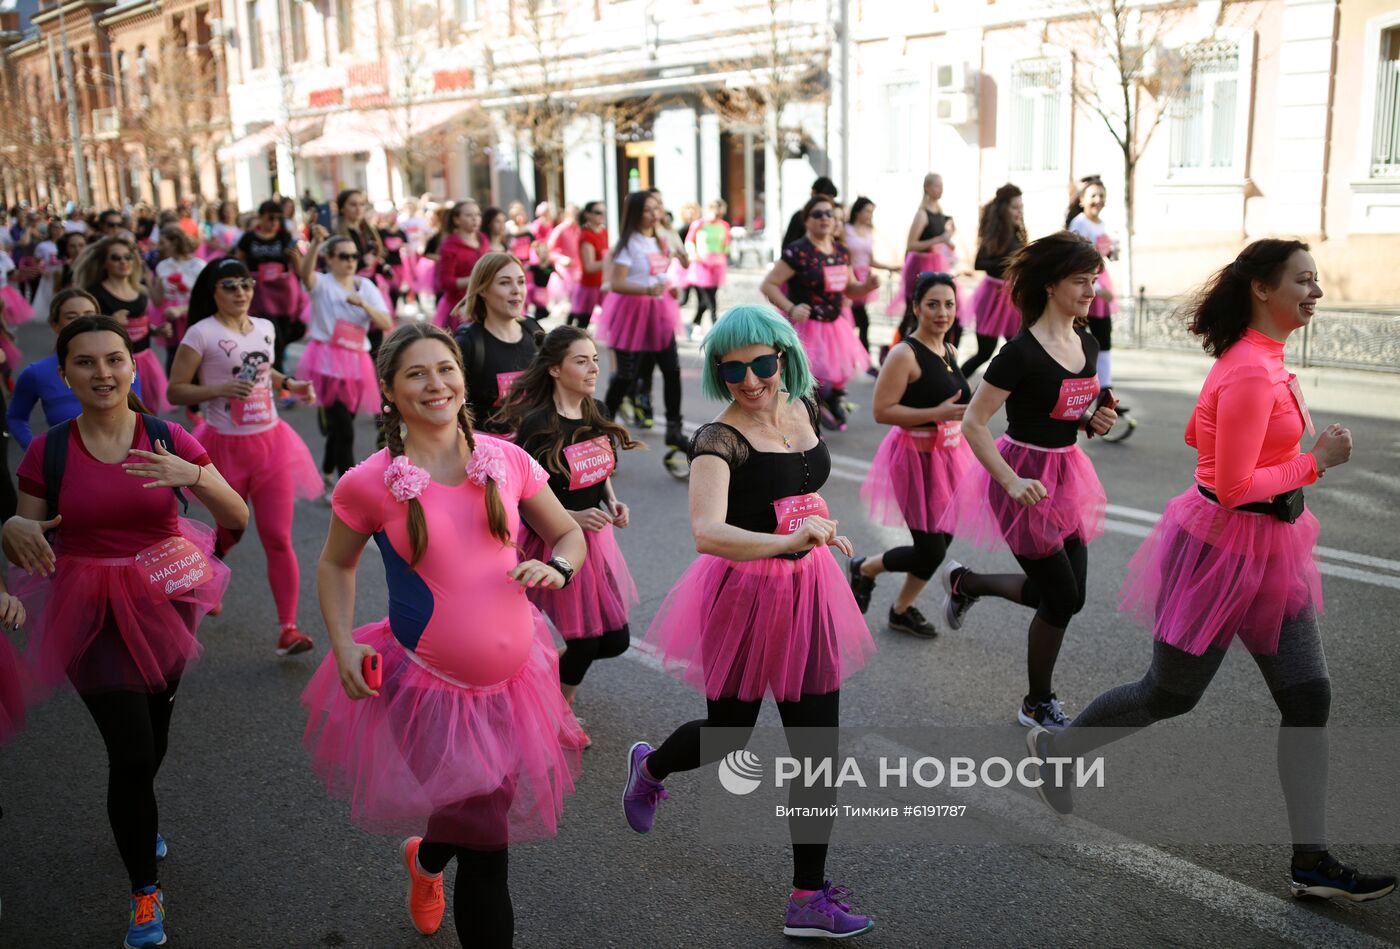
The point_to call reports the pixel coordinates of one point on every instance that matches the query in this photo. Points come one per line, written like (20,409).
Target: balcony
(106,124)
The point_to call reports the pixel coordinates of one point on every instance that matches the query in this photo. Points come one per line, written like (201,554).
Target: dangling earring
(403,429)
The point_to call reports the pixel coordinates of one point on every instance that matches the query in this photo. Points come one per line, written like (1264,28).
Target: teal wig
(751,324)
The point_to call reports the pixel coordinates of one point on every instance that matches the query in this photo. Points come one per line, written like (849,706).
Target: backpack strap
(158,433)
(473,348)
(55,459)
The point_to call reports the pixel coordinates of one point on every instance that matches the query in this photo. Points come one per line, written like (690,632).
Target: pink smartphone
(372,668)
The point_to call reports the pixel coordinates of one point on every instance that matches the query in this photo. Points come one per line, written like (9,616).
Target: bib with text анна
(254,410)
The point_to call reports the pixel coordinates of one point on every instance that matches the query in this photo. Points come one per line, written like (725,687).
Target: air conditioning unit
(953,77)
(955,108)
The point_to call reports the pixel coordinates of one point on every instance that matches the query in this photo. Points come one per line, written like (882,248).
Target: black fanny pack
(1287,507)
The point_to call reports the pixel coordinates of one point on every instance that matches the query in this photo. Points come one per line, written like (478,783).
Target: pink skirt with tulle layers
(600,595)
(915,474)
(833,349)
(249,460)
(637,324)
(340,375)
(996,314)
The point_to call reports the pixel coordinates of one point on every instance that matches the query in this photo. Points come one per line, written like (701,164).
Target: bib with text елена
(792,511)
(1076,397)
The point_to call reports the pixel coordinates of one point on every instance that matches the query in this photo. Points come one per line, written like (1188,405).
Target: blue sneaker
(826,914)
(1332,878)
(642,794)
(146,926)
(161,849)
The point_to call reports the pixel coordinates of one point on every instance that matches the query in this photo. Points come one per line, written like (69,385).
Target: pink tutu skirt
(785,627)
(996,314)
(833,349)
(1101,308)
(424,275)
(914,476)
(708,270)
(17,308)
(340,375)
(637,324)
(248,460)
(490,765)
(1206,575)
(560,285)
(585,299)
(160,316)
(598,598)
(984,514)
(933,260)
(153,381)
(11,690)
(14,359)
(98,622)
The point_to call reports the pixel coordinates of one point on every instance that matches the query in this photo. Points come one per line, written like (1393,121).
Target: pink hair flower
(404,479)
(488,463)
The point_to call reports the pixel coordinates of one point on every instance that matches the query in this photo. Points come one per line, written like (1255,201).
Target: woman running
(810,285)
(461,249)
(764,609)
(860,241)
(344,306)
(708,242)
(928,248)
(587,294)
(497,342)
(115,603)
(1001,232)
(1086,220)
(922,395)
(170,291)
(113,273)
(1233,556)
(264,460)
(467,740)
(556,418)
(1036,491)
(352,212)
(270,251)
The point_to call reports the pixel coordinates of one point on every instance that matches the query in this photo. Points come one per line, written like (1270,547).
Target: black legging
(288,329)
(811,724)
(481,906)
(629,370)
(338,425)
(986,345)
(862,318)
(581,320)
(920,560)
(135,727)
(705,299)
(579,654)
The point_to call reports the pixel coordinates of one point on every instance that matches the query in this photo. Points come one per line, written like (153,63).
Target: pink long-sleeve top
(1247,423)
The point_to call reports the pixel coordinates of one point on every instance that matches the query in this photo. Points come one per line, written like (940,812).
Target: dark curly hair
(1045,261)
(994,229)
(1220,311)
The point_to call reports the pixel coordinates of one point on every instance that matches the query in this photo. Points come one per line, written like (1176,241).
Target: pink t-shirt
(106,512)
(226,354)
(457,609)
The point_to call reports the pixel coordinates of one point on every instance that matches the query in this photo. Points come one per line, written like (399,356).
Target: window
(123,82)
(467,13)
(902,122)
(255,39)
(143,76)
(297,20)
(1204,115)
(1385,142)
(345,24)
(1036,95)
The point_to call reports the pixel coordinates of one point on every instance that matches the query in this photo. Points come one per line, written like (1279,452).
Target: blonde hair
(90,269)
(472,308)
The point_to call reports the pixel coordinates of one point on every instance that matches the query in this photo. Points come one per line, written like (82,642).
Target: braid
(417,522)
(496,518)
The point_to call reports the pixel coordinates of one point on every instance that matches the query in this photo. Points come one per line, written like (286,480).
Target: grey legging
(1297,678)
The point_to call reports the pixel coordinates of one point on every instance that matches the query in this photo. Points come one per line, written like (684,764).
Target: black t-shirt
(393,241)
(265,250)
(812,274)
(939,378)
(137,322)
(533,437)
(992,263)
(497,358)
(758,478)
(1047,401)
(796,229)
(430,249)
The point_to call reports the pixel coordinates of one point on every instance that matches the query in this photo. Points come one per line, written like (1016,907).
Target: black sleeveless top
(938,379)
(758,478)
(109,305)
(935,223)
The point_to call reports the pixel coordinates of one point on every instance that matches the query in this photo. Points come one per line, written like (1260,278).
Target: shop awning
(255,143)
(362,130)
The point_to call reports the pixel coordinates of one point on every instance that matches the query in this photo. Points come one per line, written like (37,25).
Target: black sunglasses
(233,285)
(346,256)
(821,214)
(935,276)
(734,371)
(119,258)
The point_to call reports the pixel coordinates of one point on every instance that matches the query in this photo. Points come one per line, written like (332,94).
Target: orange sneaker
(425,900)
(292,641)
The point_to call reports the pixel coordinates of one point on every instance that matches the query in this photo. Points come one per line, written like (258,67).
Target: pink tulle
(986,516)
(914,476)
(598,598)
(637,324)
(97,622)
(785,627)
(153,381)
(17,308)
(833,349)
(11,690)
(245,459)
(585,299)
(559,287)
(424,275)
(340,375)
(996,314)
(933,260)
(1206,575)
(490,765)
(1101,308)
(14,359)
(160,316)
(708,270)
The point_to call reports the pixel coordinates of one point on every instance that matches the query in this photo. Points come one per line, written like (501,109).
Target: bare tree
(34,143)
(181,113)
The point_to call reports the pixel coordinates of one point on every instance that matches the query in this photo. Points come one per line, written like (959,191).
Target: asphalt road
(260,857)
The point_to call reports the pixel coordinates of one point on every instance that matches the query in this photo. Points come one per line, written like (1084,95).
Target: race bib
(174,567)
(138,327)
(254,410)
(349,335)
(1297,390)
(657,263)
(946,436)
(1104,245)
(861,274)
(792,511)
(270,271)
(393,243)
(1076,397)
(590,462)
(504,380)
(836,278)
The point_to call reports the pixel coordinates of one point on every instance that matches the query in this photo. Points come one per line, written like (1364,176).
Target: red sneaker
(292,641)
(425,900)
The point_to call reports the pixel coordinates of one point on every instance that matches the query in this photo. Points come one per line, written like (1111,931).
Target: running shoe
(826,914)
(1331,878)
(1048,714)
(872,372)
(628,411)
(645,417)
(642,794)
(292,641)
(162,851)
(1059,799)
(911,621)
(425,900)
(676,437)
(146,924)
(955,604)
(861,585)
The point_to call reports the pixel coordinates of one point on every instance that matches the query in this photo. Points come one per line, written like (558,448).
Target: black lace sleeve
(718,439)
(813,414)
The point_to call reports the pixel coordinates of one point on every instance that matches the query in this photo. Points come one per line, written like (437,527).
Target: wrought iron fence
(1363,338)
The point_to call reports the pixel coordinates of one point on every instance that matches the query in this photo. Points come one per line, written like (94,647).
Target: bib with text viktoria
(590,462)
(504,380)
(835,279)
(792,511)
(174,567)
(1076,397)
(349,335)
(254,410)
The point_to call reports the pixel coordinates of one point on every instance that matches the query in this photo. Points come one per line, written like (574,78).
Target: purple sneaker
(642,794)
(826,914)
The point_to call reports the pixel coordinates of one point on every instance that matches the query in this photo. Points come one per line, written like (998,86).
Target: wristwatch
(566,569)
